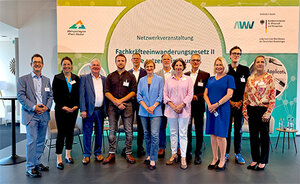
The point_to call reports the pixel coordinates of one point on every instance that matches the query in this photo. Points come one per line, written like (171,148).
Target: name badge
(126,83)
(243,79)
(200,84)
(47,89)
(72,82)
(183,78)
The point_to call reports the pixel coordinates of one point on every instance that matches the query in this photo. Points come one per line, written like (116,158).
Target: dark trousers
(259,134)
(65,123)
(88,126)
(198,122)
(162,131)
(140,135)
(236,116)
(114,114)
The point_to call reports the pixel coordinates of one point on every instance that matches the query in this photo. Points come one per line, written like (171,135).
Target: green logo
(78,25)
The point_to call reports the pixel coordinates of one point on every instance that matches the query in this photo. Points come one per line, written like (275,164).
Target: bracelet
(219,103)
(155,105)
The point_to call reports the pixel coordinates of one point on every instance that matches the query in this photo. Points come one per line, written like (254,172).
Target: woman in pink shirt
(259,102)
(178,94)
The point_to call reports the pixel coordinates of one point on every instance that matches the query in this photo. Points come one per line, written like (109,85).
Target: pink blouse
(260,93)
(178,91)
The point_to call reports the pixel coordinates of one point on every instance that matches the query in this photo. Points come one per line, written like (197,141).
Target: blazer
(26,96)
(143,73)
(155,94)
(199,104)
(162,74)
(87,94)
(62,96)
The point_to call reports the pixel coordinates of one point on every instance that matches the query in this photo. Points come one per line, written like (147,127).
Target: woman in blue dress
(218,91)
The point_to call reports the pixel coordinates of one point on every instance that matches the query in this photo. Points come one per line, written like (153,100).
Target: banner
(103,29)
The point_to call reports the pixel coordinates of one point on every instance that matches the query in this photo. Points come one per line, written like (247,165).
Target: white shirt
(167,74)
(194,76)
(136,74)
(98,87)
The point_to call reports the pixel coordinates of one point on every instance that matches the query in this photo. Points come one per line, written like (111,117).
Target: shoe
(86,160)
(260,168)
(70,160)
(110,158)
(213,166)
(130,159)
(252,167)
(161,153)
(183,166)
(33,173)
(197,160)
(226,157)
(172,160)
(99,158)
(147,162)
(41,167)
(220,169)
(239,159)
(141,152)
(152,167)
(60,166)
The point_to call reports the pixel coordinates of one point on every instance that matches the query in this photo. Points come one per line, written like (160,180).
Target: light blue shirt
(37,82)
(69,84)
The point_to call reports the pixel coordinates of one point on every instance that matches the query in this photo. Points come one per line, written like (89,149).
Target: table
(286,131)
(14,158)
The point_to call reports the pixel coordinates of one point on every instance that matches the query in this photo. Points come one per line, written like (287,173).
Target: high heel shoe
(260,168)
(213,166)
(69,160)
(60,166)
(219,169)
(183,166)
(172,160)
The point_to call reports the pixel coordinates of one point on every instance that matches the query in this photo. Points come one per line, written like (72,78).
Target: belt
(97,108)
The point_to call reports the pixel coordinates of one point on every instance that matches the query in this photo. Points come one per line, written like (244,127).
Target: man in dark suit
(92,108)
(138,72)
(200,79)
(35,95)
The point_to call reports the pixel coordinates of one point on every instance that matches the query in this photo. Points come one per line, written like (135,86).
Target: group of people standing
(169,96)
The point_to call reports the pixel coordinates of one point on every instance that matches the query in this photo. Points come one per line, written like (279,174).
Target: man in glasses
(200,79)
(240,74)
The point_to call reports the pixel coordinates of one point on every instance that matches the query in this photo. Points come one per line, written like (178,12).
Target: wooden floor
(283,168)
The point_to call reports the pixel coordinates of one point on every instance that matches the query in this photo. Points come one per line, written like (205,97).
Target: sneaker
(239,159)
(226,157)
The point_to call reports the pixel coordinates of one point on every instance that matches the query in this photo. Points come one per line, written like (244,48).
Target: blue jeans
(36,133)
(151,127)
(178,127)
(88,122)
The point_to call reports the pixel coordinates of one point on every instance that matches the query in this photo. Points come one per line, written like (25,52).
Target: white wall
(7,53)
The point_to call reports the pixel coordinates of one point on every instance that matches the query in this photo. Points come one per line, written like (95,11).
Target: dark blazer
(87,94)
(142,73)
(26,97)
(61,94)
(199,105)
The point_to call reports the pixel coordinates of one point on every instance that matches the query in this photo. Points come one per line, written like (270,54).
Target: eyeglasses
(236,53)
(196,60)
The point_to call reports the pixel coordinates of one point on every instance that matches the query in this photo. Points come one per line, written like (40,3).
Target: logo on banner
(244,25)
(77,29)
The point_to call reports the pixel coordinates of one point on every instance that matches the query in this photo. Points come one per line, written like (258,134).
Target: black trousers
(65,123)
(140,135)
(259,134)
(198,121)
(236,115)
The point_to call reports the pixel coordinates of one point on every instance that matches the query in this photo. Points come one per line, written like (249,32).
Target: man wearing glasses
(199,78)
(240,74)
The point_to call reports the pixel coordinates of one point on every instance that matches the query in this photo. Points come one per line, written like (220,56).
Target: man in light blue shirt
(35,95)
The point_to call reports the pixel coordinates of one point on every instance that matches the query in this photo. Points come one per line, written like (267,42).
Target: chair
(52,132)
(245,128)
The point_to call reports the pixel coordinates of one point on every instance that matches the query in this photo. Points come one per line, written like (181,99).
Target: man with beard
(120,89)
